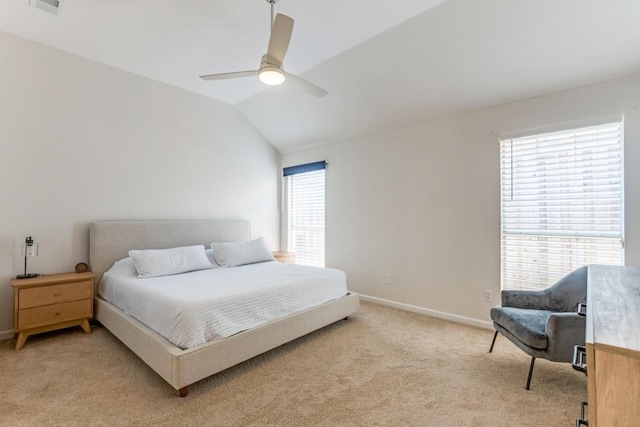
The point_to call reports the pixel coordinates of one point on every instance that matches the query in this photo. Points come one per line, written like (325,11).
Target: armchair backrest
(568,292)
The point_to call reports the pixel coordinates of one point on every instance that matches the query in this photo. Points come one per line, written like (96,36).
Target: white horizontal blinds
(561,204)
(305,207)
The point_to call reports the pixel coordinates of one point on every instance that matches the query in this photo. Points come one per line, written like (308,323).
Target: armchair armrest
(532,300)
(564,331)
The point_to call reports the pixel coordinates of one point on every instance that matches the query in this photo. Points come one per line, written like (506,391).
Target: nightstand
(284,256)
(49,302)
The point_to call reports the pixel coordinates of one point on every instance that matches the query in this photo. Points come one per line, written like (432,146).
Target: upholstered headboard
(110,241)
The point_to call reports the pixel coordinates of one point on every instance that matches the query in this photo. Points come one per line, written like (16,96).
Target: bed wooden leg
(183,392)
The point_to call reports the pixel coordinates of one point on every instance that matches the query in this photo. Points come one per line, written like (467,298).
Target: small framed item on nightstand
(53,301)
(284,256)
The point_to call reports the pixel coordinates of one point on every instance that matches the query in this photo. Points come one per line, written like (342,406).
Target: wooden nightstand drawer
(55,313)
(36,297)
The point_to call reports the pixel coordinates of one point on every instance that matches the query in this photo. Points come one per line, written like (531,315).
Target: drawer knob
(57,294)
(57,314)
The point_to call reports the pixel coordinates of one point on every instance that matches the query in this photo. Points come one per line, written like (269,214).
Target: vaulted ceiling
(385,64)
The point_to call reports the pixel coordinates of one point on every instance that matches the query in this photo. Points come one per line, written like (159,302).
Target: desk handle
(582,421)
(582,309)
(579,355)
(583,410)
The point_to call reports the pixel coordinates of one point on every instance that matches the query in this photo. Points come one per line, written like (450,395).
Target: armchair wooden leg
(493,342)
(533,359)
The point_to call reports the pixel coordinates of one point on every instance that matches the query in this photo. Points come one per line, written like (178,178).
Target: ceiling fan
(271,71)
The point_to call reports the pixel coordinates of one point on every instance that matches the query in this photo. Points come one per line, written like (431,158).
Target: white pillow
(165,262)
(241,253)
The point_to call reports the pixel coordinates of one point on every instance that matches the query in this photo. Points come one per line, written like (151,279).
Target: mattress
(193,308)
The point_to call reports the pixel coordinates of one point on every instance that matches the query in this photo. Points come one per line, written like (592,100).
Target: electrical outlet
(488,295)
(388,279)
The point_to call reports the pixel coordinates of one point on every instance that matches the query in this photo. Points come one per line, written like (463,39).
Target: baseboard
(428,312)
(5,335)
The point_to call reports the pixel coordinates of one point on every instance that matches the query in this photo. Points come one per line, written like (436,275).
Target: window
(305,212)
(561,202)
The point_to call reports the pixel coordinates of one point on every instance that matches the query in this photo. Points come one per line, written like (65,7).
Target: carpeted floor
(382,367)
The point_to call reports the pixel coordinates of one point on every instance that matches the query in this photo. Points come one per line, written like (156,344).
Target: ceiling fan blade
(233,75)
(306,86)
(280,37)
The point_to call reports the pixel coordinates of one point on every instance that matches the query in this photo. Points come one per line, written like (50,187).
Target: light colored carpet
(382,367)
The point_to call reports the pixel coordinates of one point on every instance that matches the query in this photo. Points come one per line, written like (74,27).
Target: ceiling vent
(49,6)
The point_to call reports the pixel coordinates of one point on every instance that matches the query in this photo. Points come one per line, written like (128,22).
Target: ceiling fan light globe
(271,76)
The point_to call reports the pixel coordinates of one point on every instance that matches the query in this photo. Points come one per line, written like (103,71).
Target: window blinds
(561,204)
(305,208)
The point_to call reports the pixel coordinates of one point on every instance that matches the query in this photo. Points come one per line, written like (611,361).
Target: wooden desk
(613,346)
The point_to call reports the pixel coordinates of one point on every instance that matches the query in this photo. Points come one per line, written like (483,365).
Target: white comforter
(193,308)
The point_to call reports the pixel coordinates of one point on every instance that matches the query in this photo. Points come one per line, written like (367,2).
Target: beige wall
(422,202)
(80,141)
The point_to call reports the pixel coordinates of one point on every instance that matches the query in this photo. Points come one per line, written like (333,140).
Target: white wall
(422,202)
(81,141)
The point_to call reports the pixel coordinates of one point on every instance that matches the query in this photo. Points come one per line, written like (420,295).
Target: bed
(110,241)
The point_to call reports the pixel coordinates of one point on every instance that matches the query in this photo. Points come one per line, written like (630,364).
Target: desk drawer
(55,313)
(43,295)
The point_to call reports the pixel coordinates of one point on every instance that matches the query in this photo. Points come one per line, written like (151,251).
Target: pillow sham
(166,262)
(241,253)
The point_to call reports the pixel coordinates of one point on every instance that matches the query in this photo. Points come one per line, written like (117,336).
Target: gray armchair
(544,323)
